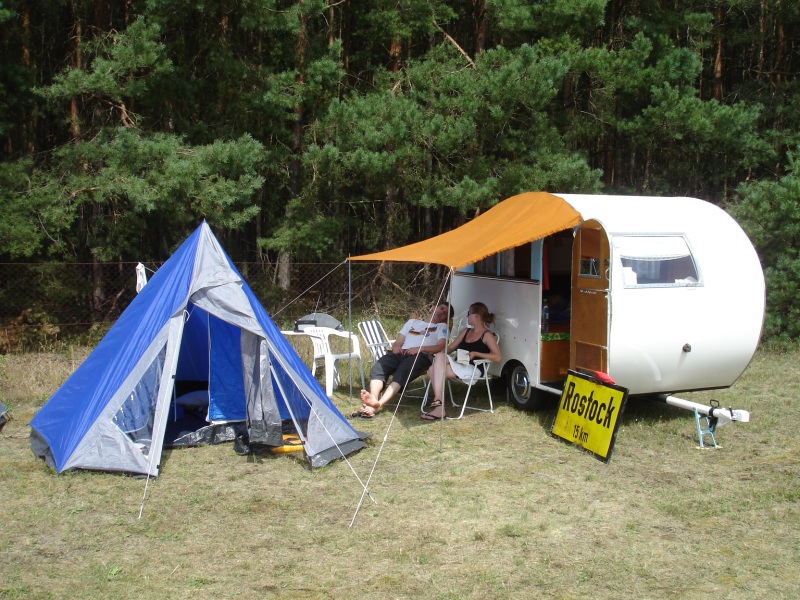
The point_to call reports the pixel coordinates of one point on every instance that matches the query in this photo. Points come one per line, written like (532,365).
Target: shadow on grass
(641,411)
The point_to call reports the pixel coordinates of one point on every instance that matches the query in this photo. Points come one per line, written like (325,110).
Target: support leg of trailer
(706,428)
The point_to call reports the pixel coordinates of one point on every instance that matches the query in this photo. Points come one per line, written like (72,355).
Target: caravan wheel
(523,395)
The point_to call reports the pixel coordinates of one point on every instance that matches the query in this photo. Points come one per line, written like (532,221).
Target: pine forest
(310,130)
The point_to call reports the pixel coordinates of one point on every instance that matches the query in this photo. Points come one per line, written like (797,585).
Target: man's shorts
(404,368)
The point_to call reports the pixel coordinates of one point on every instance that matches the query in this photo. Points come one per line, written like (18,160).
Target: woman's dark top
(477,346)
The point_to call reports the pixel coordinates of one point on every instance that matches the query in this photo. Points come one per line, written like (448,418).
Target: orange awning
(512,222)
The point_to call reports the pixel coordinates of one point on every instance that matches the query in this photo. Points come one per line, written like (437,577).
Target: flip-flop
(362,415)
(434,403)
(429,417)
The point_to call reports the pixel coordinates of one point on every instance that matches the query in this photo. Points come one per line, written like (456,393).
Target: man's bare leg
(388,393)
(368,399)
(371,398)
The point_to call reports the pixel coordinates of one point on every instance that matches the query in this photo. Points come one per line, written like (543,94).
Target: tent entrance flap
(264,420)
(136,417)
(513,222)
(165,392)
(208,341)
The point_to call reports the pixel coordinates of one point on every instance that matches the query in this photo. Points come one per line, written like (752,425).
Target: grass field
(494,508)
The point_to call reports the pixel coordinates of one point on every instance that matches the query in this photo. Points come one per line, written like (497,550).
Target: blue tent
(196,322)
(4,416)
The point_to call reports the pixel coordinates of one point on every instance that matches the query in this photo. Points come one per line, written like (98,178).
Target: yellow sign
(589,412)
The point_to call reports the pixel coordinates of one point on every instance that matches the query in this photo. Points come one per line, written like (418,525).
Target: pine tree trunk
(285,255)
(27,138)
(481,25)
(75,52)
(719,18)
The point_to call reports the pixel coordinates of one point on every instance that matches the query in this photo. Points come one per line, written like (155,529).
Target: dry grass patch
(491,506)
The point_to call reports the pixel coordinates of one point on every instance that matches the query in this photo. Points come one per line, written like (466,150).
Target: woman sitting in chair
(475,339)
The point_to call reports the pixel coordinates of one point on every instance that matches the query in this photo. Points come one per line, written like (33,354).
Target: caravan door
(588,345)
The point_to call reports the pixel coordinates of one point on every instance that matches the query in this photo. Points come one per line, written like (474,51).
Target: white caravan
(662,294)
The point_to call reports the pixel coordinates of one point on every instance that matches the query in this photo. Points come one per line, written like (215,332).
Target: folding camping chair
(320,338)
(375,338)
(475,376)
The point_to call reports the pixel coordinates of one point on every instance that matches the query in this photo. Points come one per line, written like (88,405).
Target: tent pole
(147,481)
(167,380)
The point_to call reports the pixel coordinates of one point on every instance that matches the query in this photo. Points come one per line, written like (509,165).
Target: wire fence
(45,306)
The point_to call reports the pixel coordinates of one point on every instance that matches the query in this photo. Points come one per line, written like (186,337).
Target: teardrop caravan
(665,295)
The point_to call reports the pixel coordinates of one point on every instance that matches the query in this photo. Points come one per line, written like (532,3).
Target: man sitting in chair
(410,356)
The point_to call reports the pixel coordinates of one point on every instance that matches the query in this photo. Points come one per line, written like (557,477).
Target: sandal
(362,414)
(434,403)
(429,417)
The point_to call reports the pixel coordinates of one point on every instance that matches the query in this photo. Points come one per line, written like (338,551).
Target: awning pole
(447,344)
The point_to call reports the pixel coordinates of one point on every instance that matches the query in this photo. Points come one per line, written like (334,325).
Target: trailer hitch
(713,415)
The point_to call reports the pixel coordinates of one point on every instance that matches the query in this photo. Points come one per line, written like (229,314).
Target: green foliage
(406,19)
(574,17)
(120,65)
(691,140)
(5,14)
(121,180)
(108,186)
(323,129)
(770,214)
(306,231)
(644,97)
(450,135)
(20,231)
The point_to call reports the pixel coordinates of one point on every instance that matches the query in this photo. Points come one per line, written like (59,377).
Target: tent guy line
(342,453)
(305,291)
(385,439)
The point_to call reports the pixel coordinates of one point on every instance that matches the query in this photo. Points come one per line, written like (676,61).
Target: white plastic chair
(475,376)
(320,338)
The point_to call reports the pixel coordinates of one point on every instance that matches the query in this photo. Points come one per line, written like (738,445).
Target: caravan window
(522,262)
(656,260)
(501,264)
(589,239)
